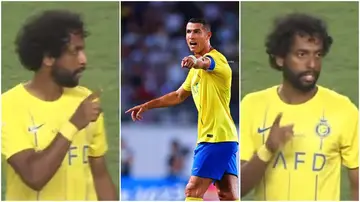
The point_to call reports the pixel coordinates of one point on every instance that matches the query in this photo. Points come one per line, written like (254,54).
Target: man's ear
(279,61)
(48,61)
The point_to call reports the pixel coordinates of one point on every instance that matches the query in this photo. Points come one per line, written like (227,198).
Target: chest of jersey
(196,83)
(316,139)
(43,123)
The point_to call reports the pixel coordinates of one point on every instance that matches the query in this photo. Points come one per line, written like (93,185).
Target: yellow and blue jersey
(211,91)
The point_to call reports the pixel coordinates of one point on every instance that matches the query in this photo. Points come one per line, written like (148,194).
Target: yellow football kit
(325,137)
(211,91)
(30,123)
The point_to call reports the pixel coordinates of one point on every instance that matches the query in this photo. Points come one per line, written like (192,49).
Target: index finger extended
(130,110)
(277,120)
(94,95)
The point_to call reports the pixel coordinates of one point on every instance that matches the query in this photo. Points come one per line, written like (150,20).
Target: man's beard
(295,79)
(64,77)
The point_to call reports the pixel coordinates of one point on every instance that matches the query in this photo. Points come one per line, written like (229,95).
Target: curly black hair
(280,40)
(47,34)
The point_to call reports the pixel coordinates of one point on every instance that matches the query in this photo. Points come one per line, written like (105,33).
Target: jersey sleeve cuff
(351,165)
(11,153)
(99,152)
(245,157)
(185,88)
(212,63)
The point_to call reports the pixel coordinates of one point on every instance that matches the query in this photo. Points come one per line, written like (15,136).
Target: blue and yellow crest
(323,129)
(196,88)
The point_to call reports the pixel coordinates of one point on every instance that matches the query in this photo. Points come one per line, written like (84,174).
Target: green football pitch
(102,49)
(340,67)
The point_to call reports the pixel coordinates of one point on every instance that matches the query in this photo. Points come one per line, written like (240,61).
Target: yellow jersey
(30,123)
(325,137)
(211,92)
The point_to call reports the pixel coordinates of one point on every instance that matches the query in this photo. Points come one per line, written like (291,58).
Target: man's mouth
(309,77)
(192,44)
(79,72)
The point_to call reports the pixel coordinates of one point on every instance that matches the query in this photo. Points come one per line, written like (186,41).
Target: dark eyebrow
(307,51)
(193,30)
(80,47)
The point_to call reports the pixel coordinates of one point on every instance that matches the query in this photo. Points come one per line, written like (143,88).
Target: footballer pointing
(53,136)
(209,83)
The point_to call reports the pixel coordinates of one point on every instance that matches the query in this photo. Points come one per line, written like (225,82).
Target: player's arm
(170,99)
(211,63)
(252,168)
(354,183)
(35,168)
(350,150)
(198,62)
(104,186)
(255,161)
(252,172)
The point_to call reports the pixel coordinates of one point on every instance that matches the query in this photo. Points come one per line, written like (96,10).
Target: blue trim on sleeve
(212,63)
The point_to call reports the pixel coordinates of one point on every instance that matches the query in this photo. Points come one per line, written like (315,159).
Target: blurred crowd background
(159,148)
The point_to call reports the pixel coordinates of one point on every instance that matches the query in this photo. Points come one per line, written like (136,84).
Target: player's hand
(189,62)
(137,111)
(278,136)
(88,111)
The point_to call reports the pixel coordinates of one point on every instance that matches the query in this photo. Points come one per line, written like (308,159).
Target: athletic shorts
(214,160)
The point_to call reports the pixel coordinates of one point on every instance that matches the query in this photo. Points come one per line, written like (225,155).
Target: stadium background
(102,51)
(340,67)
(156,153)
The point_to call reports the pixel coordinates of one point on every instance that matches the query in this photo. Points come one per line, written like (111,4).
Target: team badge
(323,128)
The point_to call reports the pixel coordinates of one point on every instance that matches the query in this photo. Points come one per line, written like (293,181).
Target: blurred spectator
(126,159)
(153,44)
(176,159)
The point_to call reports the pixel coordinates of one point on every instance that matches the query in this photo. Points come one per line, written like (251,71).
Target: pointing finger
(277,119)
(94,95)
(132,109)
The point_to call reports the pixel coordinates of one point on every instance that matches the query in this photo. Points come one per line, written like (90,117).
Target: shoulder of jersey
(12,95)
(78,91)
(260,95)
(335,97)
(219,55)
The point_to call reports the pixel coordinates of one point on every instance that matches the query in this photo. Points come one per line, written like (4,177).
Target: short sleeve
(187,83)
(98,146)
(218,65)
(350,140)
(14,135)
(247,148)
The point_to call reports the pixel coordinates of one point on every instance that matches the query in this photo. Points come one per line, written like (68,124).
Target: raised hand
(88,111)
(137,111)
(278,136)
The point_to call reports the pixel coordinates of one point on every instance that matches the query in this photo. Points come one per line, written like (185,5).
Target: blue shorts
(213,160)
